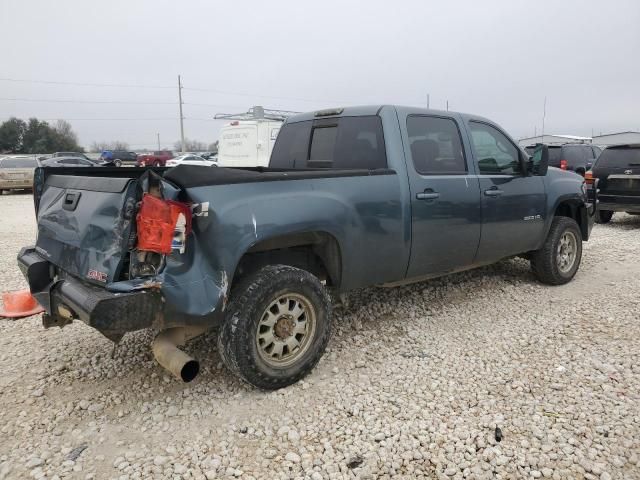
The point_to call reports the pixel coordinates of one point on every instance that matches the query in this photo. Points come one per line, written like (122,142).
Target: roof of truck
(365,110)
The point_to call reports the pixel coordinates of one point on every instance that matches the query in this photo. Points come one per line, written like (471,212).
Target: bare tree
(190,146)
(113,145)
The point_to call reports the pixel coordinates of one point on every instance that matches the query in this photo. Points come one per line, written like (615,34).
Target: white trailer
(247,141)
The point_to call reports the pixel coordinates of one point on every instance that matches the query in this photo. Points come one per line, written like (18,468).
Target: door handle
(70,201)
(493,192)
(428,194)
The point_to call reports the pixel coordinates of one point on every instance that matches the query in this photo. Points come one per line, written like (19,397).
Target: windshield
(18,163)
(619,157)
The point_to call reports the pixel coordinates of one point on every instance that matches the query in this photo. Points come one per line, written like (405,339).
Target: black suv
(618,172)
(118,157)
(571,156)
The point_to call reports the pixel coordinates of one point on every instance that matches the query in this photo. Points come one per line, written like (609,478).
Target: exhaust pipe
(165,350)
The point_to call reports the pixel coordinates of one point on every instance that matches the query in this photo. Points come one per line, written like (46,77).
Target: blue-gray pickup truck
(353,197)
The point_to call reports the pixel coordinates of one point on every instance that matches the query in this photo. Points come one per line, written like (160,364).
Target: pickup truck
(618,173)
(353,197)
(155,159)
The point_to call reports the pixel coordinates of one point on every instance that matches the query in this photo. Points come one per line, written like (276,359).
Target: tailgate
(85,224)
(628,185)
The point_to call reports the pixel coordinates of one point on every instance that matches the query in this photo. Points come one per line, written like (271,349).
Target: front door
(513,203)
(445,198)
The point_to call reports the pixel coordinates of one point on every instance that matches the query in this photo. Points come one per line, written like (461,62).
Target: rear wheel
(604,216)
(276,327)
(117,162)
(558,260)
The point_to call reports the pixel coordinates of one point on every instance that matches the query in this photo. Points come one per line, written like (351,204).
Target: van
(247,143)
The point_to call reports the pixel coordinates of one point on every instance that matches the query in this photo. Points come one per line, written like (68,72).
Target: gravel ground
(415,383)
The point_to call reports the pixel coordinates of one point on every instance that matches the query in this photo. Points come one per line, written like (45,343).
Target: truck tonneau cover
(187,176)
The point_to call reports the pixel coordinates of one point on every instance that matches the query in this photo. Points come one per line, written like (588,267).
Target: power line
(195,89)
(81,84)
(118,102)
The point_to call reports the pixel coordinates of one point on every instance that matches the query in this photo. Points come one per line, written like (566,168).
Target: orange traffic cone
(19,304)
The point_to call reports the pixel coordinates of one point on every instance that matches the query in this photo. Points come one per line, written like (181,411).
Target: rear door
(445,197)
(513,202)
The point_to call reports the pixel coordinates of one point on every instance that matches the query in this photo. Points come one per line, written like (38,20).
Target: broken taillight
(588,177)
(156,223)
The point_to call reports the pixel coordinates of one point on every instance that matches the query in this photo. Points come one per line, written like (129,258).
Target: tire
(156,163)
(547,263)
(603,216)
(262,303)
(117,162)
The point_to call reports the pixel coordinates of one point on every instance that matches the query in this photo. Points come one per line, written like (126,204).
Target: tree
(36,136)
(213,147)
(190,146)
(64,138)
(11,135)
(113,145)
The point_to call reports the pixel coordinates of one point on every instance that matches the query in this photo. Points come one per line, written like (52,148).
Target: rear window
(577,154)
(341,143)
(18,163)
(619,158)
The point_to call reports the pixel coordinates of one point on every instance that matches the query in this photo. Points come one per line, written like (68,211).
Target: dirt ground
(414,384)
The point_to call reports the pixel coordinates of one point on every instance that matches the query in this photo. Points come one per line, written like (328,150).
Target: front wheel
(276,327)
(557,262)
(604,216)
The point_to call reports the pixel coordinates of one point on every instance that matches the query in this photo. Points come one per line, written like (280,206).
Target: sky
(111,68)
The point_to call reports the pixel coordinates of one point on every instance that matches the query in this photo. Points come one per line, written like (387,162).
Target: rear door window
(18,163)
(436,147)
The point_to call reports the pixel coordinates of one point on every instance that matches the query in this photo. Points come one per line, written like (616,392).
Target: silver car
(16,172)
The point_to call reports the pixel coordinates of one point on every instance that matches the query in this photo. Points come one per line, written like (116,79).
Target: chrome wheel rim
(285,330)
(567,251)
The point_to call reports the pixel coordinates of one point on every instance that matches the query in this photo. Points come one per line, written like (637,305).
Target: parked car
(618,173)
(190,159)
(68,162)
(575,157)
(70,154)
(16,172)
(353,197)
(155,159)
(118,157)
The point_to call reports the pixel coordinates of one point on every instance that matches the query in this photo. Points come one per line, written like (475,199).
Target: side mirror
(540,160)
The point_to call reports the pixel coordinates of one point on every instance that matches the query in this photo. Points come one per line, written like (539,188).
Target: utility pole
(544,114)
(181,116)
(447,105)
(427,100)
(158,141)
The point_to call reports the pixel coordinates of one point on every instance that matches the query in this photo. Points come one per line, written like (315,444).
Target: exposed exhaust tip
(190,370)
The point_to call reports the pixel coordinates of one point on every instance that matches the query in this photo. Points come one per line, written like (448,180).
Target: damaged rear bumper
(65,298)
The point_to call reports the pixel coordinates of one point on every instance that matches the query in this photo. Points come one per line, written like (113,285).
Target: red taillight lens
(563,164)
(588,178)
(156,222)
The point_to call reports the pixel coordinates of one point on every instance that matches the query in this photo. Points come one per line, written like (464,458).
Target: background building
(553,140)
(617,138)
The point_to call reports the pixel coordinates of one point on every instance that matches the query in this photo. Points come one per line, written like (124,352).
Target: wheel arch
(317,252)
(573,208)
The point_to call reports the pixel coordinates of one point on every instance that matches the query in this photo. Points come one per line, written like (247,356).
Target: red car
(155,159)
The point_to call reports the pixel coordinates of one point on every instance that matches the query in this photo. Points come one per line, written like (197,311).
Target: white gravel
(415,383)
